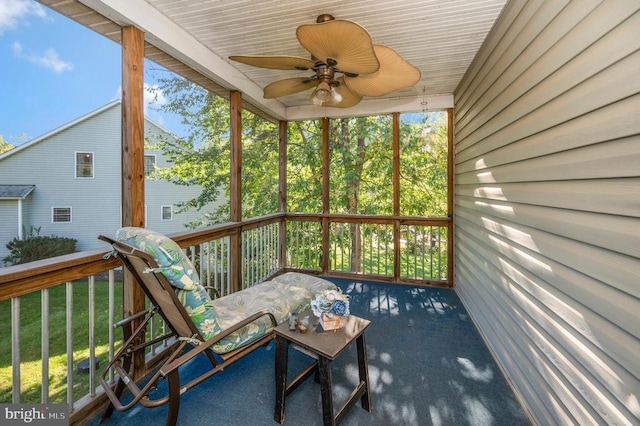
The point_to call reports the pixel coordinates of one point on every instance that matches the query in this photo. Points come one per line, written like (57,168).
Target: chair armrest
(215,290)
(168,368)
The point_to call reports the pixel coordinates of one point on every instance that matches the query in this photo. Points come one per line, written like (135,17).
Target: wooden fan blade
(345,42)
(349,98)
(282,62)
(289,86)
(394,74)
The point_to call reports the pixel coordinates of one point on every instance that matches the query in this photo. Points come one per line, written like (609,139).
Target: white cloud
(13,13)
(49,59)
(17,48)
(153,96)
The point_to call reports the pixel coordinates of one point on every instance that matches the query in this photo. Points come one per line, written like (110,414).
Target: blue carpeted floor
(427,366)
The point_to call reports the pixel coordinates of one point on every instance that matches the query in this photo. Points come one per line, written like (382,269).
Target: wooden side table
(324,347)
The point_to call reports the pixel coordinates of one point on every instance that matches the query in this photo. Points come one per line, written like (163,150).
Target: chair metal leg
(111,407)
(120,385)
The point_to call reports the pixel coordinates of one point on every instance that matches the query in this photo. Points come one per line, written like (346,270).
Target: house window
(84,164)
(61,215)
(167,212)
(149,166)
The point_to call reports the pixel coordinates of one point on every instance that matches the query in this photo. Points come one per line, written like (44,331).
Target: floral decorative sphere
(330,303)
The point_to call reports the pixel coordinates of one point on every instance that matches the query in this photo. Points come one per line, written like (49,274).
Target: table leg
(324,370)
(282,361)
(363,370)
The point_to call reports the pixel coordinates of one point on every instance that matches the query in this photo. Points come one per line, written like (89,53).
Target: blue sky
(54,71)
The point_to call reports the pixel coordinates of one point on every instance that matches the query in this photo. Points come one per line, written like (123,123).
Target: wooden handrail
(19,280)
(27,278)
(370,218)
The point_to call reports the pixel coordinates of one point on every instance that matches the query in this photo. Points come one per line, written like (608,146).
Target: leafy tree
(304,166)
(423,165)
(4,146)
(360,161)
(203,158)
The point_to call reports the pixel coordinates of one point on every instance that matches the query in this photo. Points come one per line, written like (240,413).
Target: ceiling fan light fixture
(322,93)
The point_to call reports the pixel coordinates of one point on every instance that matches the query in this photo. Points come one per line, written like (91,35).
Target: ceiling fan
(347,65)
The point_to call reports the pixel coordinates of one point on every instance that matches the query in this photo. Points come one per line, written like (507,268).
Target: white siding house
(547,205)
(74,176)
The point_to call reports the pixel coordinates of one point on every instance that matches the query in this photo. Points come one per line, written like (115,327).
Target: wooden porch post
(450,194)
(133,200)
(325,196)
(282,190)
(396,195)
(235,196)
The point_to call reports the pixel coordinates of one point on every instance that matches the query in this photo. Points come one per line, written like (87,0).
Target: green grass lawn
(31,336)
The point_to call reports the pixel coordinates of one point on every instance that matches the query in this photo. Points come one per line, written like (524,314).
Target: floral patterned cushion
(176,266)
(179,271)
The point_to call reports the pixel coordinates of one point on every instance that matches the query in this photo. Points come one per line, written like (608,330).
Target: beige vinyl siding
(547,205)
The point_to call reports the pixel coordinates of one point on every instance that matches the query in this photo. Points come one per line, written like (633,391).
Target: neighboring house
(68,183)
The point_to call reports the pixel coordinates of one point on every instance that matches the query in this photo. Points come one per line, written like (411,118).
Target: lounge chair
(224,329)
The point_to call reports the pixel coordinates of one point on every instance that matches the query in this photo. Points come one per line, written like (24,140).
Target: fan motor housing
(325,17)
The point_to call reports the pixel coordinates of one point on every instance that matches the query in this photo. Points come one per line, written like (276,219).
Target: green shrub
(36,247)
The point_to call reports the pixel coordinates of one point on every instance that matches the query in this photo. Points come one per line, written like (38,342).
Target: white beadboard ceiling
(439,37)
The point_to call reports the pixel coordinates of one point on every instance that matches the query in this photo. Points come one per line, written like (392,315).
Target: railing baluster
(44,345)
(228,275)
(69,315)
(253,255)
(431,247)
(92,335)
(15,349)
(341,247)
(203,266)
(246,258)
(378,247)
(386,251)
(264,264)
(440,253)
(250,256)
(112,318)
(372,258)
(423,248)
(297,245)
(215,264)
(318,245)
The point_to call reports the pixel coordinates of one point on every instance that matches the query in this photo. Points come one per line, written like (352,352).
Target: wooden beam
(132,127)
(324,260)
(133,199)
(235,195)
(396,193)
(450,203)
(282,191)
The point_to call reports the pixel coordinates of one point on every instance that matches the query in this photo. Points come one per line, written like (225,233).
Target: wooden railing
(389,248)
(78,296)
